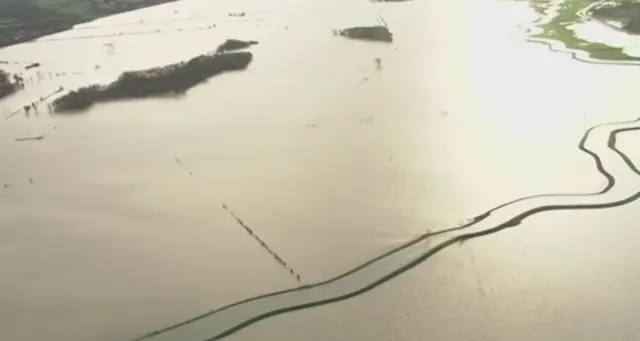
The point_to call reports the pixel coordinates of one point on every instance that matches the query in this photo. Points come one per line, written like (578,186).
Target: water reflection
(114,238)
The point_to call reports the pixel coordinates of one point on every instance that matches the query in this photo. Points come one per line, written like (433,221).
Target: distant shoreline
(32,30)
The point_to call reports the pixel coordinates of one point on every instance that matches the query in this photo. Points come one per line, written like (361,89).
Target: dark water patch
(368,33)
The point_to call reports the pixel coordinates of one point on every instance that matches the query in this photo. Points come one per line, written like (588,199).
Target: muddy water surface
(104,236)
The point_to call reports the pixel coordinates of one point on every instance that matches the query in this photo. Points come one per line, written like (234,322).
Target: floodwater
(111,226)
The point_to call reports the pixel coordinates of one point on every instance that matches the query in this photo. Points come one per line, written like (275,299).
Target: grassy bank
(563,15)
(24,20)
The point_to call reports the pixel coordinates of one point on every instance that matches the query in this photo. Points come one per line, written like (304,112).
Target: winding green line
(229,319)
(554,23)
(232,318)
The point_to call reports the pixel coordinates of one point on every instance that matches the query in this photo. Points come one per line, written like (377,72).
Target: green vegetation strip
(570,12)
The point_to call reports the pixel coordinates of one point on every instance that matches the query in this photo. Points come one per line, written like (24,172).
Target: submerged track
(599,142)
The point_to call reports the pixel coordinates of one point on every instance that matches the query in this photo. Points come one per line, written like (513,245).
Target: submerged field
(327,153)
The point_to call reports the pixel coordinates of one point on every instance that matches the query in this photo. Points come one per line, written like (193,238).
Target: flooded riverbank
(333,151)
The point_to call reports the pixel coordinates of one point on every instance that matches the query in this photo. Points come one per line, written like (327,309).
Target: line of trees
(7,87)
(171,79)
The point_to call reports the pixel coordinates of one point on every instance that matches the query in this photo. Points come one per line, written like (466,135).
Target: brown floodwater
(105,236)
